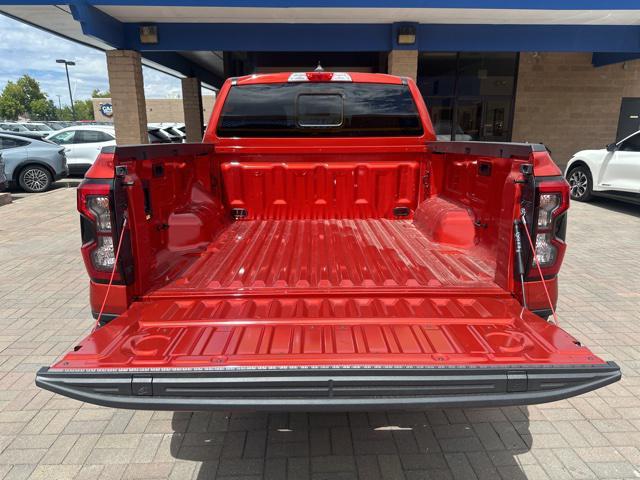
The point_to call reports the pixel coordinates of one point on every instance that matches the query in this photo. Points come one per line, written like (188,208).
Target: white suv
(83,144)
(613,171)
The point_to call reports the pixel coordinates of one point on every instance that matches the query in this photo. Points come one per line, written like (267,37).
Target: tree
(43,109)
(65,113)
(10,107)
(30,89)
(98,94)
(24,98)
(83,108)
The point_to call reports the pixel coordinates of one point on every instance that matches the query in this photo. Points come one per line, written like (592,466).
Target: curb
(5,198)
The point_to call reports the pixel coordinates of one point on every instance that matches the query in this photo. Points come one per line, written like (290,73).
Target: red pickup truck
(320,250)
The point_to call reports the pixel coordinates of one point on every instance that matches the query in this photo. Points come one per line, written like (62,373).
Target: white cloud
(27,50)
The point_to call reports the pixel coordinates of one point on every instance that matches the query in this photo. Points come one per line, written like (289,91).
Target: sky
(25,49)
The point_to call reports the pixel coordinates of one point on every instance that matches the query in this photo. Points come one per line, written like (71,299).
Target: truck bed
(328,257)
(283,310)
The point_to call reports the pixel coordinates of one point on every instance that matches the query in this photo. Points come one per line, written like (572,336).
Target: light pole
(67,64)
(59,103)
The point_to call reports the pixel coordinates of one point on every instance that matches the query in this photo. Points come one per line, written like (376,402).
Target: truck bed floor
(332,256)
(327,293)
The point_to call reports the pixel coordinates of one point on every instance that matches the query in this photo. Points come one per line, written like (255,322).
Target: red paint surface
(283,77)
(536,298)
(354,331)
(320,271)
(103,167)
(329,256)
(280,186)
(117,300)
(318,144)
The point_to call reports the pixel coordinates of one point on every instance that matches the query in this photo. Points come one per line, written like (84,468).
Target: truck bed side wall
(175,208)
(484,187)
(461,201)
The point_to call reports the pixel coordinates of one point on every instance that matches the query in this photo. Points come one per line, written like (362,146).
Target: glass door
(496,119)
(468,122)
(470,95)
(483,119)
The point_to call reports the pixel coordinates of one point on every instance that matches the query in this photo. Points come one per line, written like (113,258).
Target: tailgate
(314,354)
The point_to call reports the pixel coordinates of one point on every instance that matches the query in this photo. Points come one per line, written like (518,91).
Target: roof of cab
(283,77)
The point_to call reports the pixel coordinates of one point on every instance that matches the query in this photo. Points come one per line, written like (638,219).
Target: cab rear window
(319,109)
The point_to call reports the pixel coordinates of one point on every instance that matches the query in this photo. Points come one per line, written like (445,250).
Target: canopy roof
(192,34)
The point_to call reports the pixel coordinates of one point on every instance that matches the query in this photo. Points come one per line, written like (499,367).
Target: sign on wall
(106,109)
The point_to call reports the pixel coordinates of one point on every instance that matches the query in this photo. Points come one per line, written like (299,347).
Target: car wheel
(581,183)
(35,179)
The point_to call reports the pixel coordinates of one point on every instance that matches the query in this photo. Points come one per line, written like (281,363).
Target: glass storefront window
(441,111)
(441,78)
(486,74)
(469,95)
(469,119)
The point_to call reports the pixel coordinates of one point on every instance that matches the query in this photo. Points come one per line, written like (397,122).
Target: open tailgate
(284,354)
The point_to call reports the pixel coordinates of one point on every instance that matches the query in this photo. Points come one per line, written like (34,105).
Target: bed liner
(259,256)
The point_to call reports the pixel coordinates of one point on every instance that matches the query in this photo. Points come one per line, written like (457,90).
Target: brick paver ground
(43,312)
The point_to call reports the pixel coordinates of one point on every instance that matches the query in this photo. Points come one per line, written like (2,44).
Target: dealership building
(159,110)
(560,72)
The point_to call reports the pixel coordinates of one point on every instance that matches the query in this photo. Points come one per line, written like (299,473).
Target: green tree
(64,113)
(98,94)
(25,98)
(10,107)
(43,109)
(83,108)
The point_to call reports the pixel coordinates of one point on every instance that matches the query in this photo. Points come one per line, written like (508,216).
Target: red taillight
(95,207)
(319,76)
(552,202)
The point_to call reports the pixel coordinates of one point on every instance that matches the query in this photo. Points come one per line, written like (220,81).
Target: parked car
(4,183)
(38,127)
(82,144)
(172,130)
(58,124)
(179,130)
(613,171)
(32,164)
(27,134)
(320,250)
(158,135)
(13,127)
(22,130)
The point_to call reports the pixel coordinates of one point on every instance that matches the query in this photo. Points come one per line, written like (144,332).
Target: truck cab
(322,250)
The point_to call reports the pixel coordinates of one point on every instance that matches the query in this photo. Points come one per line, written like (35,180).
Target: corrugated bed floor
(328,255)
(203,333)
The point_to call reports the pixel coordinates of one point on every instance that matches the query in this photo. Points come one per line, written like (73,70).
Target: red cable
(535,259)
(113,273)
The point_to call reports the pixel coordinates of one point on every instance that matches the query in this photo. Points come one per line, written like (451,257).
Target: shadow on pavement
(71,182)
(616,206)
(453,443)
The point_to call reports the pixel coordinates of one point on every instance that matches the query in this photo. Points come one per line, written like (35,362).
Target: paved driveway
(43,312)
(18,194)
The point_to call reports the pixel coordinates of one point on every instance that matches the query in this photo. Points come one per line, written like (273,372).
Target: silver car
(32,164)
(23,129)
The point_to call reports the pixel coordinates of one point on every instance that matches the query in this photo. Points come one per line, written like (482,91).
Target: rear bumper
(322,388)
(78,168)
(61,174)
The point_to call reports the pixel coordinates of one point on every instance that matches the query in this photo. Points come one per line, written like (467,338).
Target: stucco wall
(159,109)
(566,103)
